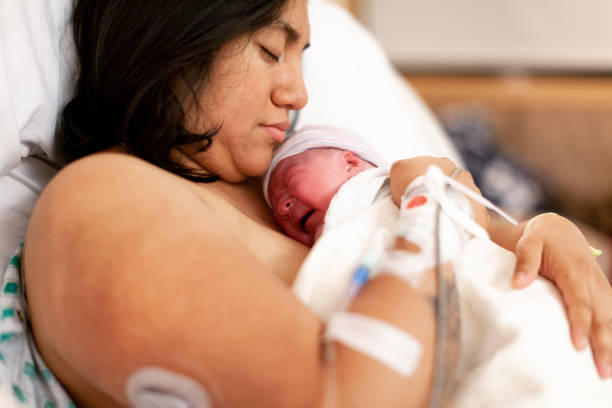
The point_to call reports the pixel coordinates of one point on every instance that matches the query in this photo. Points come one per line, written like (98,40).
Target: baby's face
(301,188)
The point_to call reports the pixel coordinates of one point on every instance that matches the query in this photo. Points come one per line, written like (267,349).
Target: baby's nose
(285,206)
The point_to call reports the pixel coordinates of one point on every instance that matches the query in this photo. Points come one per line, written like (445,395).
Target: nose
(291,90)
(284,206)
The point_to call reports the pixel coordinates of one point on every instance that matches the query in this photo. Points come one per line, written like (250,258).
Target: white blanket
(516,349)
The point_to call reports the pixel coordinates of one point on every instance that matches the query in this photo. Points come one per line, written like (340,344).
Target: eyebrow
(292,34)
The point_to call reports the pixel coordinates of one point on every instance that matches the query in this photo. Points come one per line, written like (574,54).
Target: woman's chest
(280,254)
(249,221)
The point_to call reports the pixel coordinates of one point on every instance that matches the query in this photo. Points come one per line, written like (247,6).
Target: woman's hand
(555,248)
(404,171)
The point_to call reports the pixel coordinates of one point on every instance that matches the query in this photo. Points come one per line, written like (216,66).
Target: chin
(310,242)
(242,173)
(317,234)
(305,240)
(258,166)
(234,177)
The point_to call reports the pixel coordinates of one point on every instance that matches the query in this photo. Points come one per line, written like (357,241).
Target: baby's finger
(528,260)
(601,342)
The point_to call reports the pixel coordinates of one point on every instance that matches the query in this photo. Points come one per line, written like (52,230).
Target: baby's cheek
(330,196)
(320,196)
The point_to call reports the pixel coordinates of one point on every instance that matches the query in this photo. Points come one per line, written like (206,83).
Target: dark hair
(130,54)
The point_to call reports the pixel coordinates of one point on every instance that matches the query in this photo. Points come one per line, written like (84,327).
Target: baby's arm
(554,248)
(404,171)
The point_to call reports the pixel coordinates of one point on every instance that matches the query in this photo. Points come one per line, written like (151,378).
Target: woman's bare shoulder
(112,172)
(117,199)
(119,253)
(112,185)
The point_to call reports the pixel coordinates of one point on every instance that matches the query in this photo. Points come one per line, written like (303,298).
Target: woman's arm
(143,271)
(555,248)
(128,267)
(359,381)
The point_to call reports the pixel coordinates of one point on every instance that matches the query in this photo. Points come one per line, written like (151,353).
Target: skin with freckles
(249,85)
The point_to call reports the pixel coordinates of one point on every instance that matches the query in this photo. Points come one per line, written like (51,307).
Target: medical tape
(417,225)
(408,266)
(377,339)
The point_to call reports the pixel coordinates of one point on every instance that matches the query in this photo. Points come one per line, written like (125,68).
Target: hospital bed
(350,81)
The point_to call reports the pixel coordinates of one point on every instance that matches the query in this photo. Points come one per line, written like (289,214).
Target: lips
(305,219)
(309,227)
(313,222)
(304,224)
(277,130)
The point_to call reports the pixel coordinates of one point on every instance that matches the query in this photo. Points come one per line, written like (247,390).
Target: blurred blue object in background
(500,178)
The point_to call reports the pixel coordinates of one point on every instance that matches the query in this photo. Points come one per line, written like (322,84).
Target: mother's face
(253,85)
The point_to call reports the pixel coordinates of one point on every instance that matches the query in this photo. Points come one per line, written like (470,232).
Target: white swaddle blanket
(516,349)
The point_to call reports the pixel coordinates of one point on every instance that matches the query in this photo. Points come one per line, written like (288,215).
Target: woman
(147,267)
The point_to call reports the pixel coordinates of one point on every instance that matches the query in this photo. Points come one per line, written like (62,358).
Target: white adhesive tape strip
(377,339)
(417,224)
(408,266)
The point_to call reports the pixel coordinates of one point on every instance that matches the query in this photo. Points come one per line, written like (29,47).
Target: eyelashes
(269,54)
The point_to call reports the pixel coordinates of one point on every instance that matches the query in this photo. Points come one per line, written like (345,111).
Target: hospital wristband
(596,252)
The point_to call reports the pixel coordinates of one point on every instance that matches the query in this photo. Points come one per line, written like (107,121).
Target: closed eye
(270,54)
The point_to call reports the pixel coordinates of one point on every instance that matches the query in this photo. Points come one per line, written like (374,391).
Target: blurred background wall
(551,35)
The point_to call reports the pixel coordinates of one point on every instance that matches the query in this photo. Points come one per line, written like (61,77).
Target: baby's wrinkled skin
(302,186)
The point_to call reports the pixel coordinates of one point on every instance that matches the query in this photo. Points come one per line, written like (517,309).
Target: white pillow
(350,81)
(35,68)
(352,84)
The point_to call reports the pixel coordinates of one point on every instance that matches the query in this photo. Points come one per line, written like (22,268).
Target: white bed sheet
(19,191)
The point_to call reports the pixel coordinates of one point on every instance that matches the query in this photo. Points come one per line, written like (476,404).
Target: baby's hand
(404,171)
(556,248)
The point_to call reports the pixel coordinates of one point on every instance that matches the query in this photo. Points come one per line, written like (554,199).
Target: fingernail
(581,342)
(607,370)
(519,277)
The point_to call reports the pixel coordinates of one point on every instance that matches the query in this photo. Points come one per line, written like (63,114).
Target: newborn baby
(312,166)
(306,172)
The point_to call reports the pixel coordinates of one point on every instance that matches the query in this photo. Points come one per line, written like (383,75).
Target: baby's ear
(351,158)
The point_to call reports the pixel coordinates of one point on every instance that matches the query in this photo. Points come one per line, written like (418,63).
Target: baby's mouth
(305,218)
